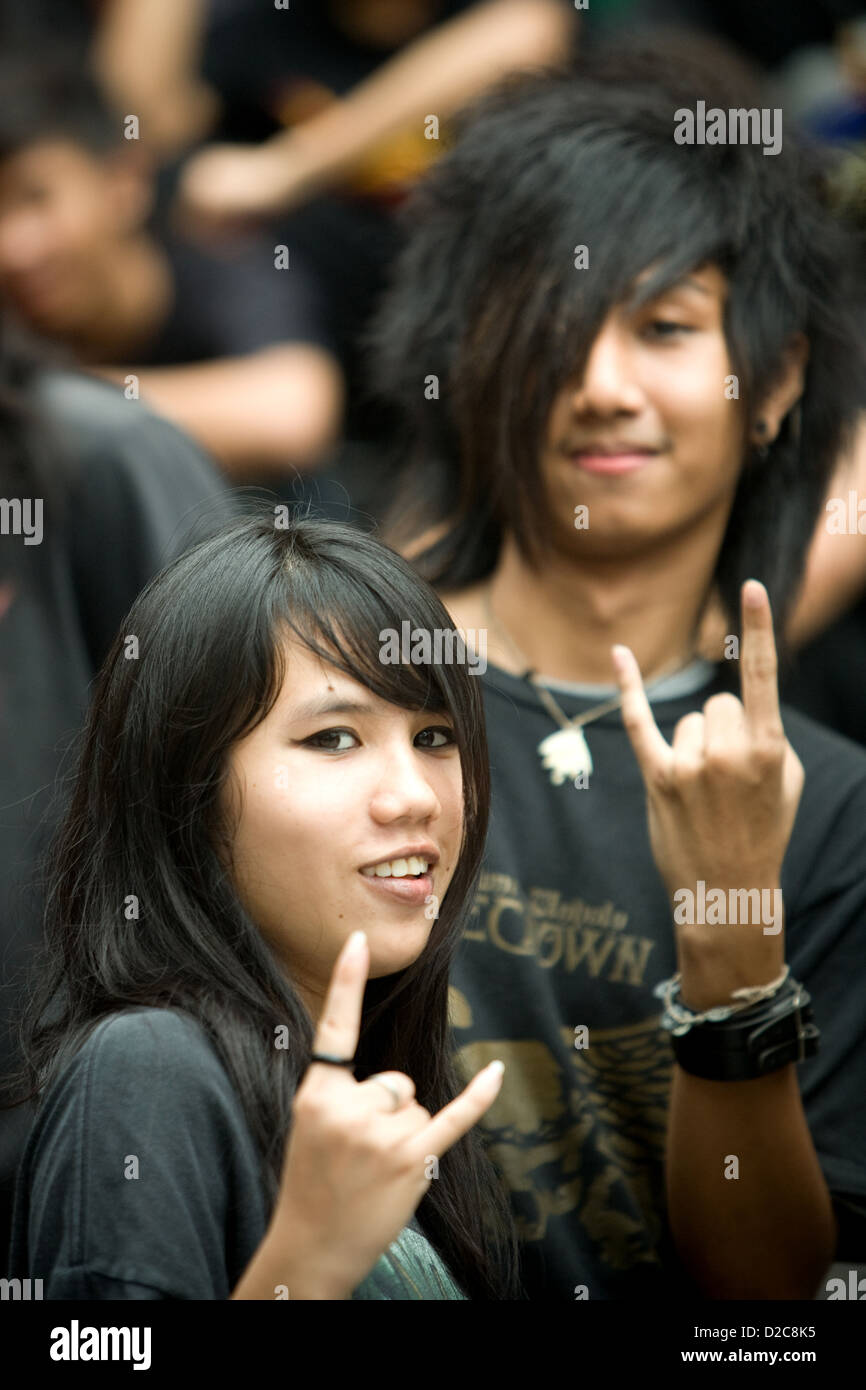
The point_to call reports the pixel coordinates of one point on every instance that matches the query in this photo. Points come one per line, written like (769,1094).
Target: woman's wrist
(283,1268)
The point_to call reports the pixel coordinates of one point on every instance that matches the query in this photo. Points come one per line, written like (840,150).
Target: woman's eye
(440,732)
(326,740)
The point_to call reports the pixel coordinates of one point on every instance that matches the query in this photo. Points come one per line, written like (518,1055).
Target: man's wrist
(716,958)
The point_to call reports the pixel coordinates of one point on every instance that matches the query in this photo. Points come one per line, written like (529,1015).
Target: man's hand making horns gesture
(721,802)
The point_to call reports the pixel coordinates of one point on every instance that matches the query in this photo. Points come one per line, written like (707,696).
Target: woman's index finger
(339,1025)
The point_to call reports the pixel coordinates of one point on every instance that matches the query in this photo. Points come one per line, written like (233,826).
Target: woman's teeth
(398,868)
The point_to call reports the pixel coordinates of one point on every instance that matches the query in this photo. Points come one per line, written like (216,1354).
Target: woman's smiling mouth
(406,878)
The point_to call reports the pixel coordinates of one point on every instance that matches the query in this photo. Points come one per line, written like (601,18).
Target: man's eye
(441,732)
(666,328)
(325,740)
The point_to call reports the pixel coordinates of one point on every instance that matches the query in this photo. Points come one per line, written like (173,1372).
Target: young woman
(254,788)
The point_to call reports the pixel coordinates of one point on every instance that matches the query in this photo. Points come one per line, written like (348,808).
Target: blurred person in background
(226,341)
(328,107)
(120,491)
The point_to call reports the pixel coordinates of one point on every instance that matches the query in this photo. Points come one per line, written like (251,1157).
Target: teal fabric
(409,1269)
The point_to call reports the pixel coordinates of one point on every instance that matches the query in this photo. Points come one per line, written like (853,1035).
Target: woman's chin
(395,948)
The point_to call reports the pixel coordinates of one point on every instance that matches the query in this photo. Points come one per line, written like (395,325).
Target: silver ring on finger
(398,1099)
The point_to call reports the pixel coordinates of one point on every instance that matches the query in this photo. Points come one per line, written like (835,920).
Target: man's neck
(565,618)
(138,291)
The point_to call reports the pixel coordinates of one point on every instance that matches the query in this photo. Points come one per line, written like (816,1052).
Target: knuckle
(632,722)
(723,702)
(687,771)
(689,723)
(761,667)
(768,752)
(660,779)
(405,1082)
(312,1112)
(361,1133)
(718,762)
(329,1028)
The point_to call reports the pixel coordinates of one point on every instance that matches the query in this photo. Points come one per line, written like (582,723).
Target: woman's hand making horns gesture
(359,1153)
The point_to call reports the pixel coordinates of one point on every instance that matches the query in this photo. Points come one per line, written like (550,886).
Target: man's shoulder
(824,753)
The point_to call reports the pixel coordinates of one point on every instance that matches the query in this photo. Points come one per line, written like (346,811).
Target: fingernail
(355,943)
(620,657)
(496,1068)
(753,594)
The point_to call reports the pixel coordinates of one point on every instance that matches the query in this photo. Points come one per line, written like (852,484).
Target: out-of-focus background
(198,206)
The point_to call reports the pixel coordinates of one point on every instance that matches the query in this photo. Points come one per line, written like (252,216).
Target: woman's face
(334,783)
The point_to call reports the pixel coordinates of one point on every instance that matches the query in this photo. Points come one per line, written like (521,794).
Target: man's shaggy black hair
(486,297)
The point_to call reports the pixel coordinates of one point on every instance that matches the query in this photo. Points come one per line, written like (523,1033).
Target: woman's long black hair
(146,821)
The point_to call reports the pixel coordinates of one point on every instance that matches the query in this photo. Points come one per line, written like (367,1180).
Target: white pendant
(565,754)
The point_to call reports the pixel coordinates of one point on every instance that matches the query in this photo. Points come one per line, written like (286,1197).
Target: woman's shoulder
(132,1056)
(131,1031)
(140,1167)
(162,1030)
(146,1084)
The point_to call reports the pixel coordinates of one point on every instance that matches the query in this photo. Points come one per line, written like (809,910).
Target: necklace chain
(544,695)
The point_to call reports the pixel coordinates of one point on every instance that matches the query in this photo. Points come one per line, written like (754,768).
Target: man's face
(62,211)
(650,441)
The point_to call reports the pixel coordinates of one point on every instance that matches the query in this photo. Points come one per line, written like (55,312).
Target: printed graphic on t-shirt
(577,1131)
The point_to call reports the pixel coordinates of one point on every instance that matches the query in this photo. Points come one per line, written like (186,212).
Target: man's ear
(785,393)
(131,189)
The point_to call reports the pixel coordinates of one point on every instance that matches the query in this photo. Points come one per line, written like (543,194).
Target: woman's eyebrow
(312,709)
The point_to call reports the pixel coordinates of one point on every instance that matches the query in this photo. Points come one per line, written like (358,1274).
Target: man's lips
(625,460)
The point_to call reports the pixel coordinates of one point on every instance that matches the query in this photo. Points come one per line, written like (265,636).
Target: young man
(626,369)
(230,342)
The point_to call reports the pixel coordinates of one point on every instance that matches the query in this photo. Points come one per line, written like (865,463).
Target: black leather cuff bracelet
(754,1042)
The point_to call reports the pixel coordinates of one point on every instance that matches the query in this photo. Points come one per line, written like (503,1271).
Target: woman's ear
(785,393)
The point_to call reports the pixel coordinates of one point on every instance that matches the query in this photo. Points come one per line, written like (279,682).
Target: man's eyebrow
(686,282)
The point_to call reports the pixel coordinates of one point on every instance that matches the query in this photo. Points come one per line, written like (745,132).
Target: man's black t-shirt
(572,926)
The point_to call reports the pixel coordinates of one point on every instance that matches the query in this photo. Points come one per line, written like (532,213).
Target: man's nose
(609,385)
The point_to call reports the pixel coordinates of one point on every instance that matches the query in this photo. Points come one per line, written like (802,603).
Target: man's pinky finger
(653,752)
